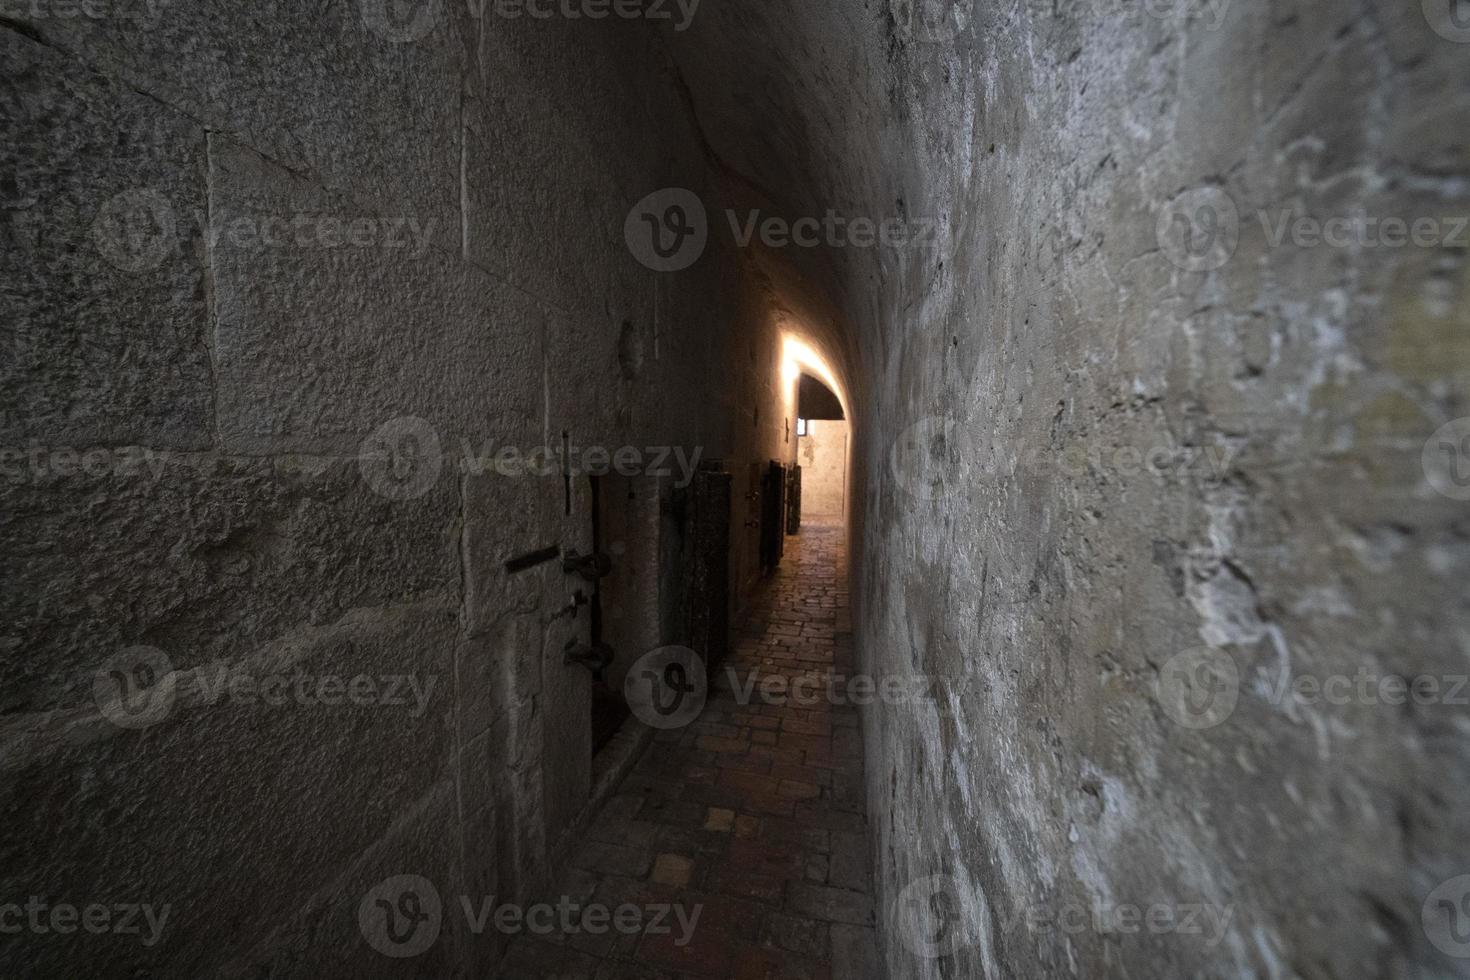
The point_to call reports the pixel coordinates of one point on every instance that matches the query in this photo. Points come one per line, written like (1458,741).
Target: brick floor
(754,812)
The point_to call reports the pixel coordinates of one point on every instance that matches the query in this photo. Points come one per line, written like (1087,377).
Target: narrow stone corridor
(753,813)
(924,489)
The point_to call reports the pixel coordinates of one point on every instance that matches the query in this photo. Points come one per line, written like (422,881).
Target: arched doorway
(822,451)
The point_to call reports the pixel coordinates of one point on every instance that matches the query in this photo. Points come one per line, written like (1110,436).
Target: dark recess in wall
(816,400)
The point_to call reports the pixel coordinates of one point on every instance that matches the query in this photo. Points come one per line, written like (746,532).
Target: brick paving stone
(628,833)
(748,782)
(691,841)
(678,813)
(817,868)
(798,790)
(849,864)
(830,904)
(796,934)
(673,869)
(855,953)
(723,745)
(724,927)
(775,964)
(612,859)
(742,883)
(533,958)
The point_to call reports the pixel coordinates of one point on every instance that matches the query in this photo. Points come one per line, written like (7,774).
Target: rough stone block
(366,103)
(829,904)
(136,814)
(333,321)
(102,271)
(200,555)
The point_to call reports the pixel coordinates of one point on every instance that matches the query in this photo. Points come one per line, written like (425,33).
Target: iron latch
(596,657)
(591,567)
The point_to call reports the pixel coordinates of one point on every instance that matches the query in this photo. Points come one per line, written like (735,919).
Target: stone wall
(1132,463)
(281,282)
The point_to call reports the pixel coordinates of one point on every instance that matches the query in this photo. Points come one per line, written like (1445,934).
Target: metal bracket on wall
(591,567)
(531,559)
(596,657)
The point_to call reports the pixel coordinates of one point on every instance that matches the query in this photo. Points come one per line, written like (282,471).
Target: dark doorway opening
(609,709)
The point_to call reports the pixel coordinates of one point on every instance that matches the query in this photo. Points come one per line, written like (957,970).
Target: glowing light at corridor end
(797,358)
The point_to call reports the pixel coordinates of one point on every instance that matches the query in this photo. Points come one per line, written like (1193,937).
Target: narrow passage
(754,812)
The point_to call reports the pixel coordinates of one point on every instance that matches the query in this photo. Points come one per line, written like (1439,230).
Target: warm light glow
(797,357)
